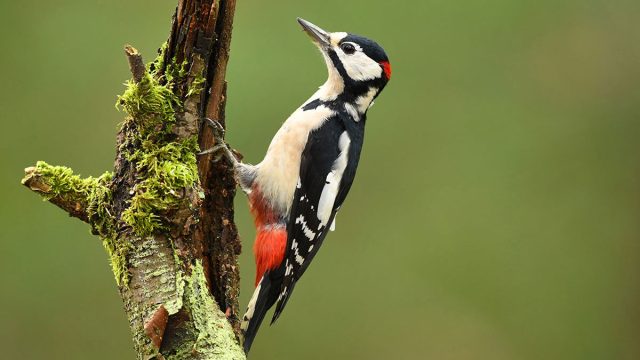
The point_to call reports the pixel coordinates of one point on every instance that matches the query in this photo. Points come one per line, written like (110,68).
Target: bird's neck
(334,89)
(363,98)
(355,101)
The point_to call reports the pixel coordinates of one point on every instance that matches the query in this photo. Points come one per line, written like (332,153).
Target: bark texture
(165,215)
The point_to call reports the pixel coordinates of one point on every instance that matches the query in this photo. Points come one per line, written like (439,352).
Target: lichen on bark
(206,323)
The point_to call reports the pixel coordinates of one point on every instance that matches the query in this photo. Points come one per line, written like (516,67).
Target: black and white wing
(327,171)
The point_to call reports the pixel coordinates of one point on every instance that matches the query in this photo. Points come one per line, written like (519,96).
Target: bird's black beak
(319,36)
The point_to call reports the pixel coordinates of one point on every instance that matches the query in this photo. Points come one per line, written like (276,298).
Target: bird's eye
(348,48)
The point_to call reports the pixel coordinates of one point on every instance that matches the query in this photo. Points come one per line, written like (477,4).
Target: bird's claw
(216,127)
(221,149)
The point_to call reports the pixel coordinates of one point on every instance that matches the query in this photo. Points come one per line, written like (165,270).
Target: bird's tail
(264,296)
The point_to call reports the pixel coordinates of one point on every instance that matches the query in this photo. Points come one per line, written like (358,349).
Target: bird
(295,192)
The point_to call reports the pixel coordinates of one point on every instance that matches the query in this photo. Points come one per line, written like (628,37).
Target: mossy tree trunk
(165,215)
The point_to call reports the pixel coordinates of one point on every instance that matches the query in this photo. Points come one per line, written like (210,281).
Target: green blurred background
(495,213)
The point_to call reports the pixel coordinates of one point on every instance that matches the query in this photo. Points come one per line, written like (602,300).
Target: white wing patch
(332,183)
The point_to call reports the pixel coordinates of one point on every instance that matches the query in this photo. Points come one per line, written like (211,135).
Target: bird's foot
(221,149)
(216,127)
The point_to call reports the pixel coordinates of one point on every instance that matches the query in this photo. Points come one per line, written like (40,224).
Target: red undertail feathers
(271,235)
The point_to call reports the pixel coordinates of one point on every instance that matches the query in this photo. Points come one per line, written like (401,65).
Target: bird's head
(356,64)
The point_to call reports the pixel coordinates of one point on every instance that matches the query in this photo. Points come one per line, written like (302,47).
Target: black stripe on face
(338,64)
(353,88)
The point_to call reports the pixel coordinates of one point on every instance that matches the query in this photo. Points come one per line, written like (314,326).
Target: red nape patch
(269,249)
(387,69)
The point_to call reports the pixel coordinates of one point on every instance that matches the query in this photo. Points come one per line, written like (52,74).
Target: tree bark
(165,215)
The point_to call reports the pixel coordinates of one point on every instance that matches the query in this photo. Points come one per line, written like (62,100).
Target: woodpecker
(297,189)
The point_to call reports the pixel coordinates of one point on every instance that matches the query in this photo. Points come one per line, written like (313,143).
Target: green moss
(165,172)
(196,86)
(175,72)
(91,193)
(95,195)
(64,183)
(98,208)
(158,63)
(117,251)
(150,105)
(171,71)
(165,166)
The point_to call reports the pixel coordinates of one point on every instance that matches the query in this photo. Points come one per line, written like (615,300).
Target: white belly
(277,174)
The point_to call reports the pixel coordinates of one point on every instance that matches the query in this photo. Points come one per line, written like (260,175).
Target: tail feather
(283,297)
(262,300)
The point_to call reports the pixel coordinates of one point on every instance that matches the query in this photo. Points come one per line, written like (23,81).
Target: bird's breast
(279,171)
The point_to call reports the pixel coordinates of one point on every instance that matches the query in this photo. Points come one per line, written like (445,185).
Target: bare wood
(228,244)
(136,65)
(155,327)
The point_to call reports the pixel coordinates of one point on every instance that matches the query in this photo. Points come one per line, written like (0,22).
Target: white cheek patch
(359,66)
